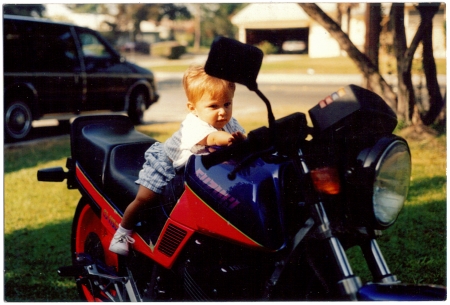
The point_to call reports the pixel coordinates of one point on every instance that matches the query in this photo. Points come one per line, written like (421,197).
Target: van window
(39,47)
(17,47)
(92,47)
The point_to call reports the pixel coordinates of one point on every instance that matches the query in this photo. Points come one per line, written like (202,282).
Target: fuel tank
(252,200)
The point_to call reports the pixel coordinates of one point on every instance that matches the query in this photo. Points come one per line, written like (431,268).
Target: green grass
(415,246)
(334,65)
(38,216)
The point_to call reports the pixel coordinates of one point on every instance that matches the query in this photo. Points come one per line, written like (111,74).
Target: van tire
(18,119)
(137,107)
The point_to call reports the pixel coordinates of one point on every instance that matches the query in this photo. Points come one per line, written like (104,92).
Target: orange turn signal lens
(326,180)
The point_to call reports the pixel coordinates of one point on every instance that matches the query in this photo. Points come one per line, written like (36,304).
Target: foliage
(33,10)
(168,49)
(216,20)
(132,14)
(267,47)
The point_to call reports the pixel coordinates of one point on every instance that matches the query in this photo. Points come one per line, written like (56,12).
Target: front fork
(347,283)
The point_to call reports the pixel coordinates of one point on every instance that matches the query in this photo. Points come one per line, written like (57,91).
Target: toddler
(208,123)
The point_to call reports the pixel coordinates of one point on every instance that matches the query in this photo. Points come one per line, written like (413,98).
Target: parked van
(56,68)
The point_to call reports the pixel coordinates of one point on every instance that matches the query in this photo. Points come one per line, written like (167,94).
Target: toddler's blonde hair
(196,83)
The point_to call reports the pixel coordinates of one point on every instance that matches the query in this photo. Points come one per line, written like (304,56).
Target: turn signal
(326,180)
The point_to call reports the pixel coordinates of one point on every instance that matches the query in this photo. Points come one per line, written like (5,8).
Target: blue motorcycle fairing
(252,202)
(401,292)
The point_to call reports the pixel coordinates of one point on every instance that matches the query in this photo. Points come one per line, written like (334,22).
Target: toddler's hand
(236,137)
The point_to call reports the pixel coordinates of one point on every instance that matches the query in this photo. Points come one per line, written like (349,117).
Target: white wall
(321,44)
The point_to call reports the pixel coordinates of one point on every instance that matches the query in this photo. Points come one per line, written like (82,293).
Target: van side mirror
(234,61)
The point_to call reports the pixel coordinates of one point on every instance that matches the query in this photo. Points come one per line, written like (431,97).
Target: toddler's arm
(222,138)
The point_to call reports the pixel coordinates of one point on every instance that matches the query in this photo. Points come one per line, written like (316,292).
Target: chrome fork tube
(348,284)
(377,265)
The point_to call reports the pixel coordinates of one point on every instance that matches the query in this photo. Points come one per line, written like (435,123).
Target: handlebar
(285,136)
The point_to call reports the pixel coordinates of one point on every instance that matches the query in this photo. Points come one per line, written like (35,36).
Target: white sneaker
(119,243)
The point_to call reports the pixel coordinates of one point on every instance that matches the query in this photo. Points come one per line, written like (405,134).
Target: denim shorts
(157,170)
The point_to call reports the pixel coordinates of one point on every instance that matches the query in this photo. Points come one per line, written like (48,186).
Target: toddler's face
(216,113)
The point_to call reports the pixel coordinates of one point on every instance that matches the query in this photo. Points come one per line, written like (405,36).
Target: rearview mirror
(234,61)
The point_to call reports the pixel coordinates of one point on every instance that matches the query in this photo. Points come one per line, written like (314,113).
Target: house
(279,22)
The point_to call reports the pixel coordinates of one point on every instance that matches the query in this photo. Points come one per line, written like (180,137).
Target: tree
(427,12)
(373,30)
(134,14)
(215,20)
(405,106)
(345,9)
(33,10)
(408,110)
(404,56)
(369,70)
(130,16)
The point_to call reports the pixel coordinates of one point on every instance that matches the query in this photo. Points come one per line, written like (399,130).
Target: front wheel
(18,119)
(138,105)
(89,236)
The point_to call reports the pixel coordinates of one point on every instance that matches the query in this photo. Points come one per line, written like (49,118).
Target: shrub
(169,49)
(267,47)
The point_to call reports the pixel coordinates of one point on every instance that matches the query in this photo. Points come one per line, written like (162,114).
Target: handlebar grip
(258,139)
(223,154)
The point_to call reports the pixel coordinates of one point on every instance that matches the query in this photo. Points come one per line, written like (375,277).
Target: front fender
(402,292)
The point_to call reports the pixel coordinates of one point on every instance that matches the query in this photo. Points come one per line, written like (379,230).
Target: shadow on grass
(32,258)
(414,247)
(419,186)
(22,157)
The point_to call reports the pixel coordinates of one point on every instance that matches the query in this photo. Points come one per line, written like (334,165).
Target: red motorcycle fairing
(192,211)
(189,215)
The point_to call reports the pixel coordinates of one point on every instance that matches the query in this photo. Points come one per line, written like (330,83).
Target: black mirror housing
(234,61)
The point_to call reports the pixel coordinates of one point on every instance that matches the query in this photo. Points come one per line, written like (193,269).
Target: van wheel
(138,105)
(18,119)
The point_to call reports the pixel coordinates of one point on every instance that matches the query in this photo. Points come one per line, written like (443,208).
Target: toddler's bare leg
(144,198)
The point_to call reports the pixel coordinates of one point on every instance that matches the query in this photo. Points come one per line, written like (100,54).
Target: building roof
(275,15)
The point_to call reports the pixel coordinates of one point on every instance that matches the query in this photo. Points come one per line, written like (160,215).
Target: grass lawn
(301,64)
(38,220)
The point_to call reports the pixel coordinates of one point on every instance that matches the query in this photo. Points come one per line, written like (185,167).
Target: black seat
(111,152)
(125,162)
(94,138)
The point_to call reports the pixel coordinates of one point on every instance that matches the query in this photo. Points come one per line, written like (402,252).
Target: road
(172,104)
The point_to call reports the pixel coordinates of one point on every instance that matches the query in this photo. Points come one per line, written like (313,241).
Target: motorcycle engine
(215,270)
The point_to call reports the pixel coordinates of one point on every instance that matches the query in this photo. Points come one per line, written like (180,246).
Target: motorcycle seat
(122,171)
(94,138)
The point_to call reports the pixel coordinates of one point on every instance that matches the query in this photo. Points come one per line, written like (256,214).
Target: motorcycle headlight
(382,181)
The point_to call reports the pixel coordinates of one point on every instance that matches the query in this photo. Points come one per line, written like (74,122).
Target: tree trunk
(373,30)
(370,71)
(427,12)
(406,97)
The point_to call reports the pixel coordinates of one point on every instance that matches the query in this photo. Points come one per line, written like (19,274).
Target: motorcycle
(269,218)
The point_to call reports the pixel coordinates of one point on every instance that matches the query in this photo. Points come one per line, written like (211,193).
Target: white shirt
(183,142)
